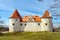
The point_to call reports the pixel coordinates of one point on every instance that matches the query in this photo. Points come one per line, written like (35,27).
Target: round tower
(14,22)
(46,24)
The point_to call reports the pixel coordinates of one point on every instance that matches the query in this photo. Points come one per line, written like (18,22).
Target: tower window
(21,24)
(16,19)
(25,24)
(38,23)
(45,23)
(13,24)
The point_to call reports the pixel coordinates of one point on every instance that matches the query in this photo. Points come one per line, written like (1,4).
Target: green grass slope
(31,36)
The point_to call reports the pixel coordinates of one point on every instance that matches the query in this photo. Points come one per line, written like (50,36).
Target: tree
(1,24)
(55,11)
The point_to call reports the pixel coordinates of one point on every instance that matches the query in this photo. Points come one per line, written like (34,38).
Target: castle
(30,23)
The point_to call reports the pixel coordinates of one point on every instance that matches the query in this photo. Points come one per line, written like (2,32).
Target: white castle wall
(30,26)
(14,24)
(46,24)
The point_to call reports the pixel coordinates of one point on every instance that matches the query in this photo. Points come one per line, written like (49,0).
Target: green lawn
(31,36)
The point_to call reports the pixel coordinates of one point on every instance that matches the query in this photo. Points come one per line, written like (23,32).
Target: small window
(13,24)
(38,23)
(45,23)
(16,19)
(25,24)
(21,24)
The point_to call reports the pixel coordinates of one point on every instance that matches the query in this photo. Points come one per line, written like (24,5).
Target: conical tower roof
(46,15)
(16,15)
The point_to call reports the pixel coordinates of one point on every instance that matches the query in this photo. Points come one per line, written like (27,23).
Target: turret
(46,24)
(14,22)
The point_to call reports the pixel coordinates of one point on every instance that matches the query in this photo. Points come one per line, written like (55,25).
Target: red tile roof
(36,18)
(24,19)
(16,15)
(46,15)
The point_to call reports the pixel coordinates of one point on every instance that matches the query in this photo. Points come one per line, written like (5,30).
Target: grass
(31,36)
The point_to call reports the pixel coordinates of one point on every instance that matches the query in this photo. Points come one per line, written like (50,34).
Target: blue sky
(25,7)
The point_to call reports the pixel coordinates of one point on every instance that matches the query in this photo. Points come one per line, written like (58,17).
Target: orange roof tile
(37,18)
(25,18)
(16,15)
(46,15)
